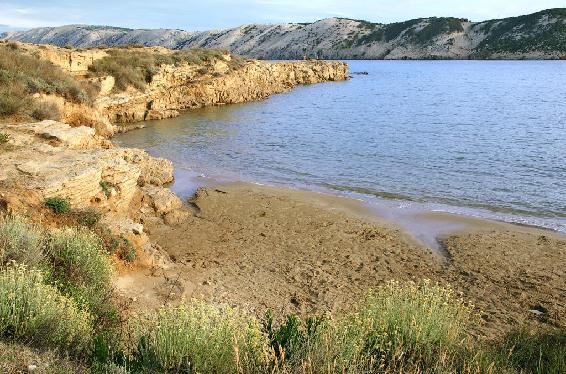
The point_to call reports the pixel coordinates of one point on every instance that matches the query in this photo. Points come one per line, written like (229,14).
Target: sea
(477,138)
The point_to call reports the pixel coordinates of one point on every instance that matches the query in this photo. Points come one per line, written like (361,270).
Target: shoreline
(258,247)
(426,222)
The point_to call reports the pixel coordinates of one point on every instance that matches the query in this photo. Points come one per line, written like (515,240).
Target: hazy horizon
(196,16)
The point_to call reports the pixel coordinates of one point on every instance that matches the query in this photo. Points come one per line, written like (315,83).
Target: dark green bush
(58,205)
(4,138)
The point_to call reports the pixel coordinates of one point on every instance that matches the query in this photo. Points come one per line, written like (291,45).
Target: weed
(4,138)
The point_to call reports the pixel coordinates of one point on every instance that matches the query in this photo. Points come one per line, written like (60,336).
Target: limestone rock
(176,217)
(176,88)
(162,200)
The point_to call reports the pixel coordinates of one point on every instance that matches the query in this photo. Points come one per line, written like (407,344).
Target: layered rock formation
(178,88)
(51,159)
(175,87)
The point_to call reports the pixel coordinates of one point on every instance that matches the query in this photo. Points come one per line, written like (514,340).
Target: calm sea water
(475,137)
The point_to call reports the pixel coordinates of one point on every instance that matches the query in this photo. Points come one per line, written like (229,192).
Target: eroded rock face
(185,87)
(75,61)
(52,159)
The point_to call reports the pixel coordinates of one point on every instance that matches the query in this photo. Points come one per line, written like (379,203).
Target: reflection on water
(479,137)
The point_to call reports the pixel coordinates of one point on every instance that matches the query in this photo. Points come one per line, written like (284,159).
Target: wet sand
(259,248)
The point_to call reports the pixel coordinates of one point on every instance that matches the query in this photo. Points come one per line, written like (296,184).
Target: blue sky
(209,14)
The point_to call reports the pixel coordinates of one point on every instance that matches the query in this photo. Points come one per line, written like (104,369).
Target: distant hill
(540,35)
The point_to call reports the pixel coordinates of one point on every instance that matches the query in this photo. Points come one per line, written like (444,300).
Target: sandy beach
(292,251)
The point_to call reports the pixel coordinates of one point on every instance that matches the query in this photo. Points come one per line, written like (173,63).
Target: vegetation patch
(106,188)
(4,138)
(136,67)
(200,338)
(37,314)
(81,270)
(525,34)
(87,217)
(126,250)
(22,75)
(55,295)
(21,242)
(59,205)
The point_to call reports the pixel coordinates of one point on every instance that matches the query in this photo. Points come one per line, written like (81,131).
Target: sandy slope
(292,251)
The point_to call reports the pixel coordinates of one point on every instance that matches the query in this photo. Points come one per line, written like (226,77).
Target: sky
(199,15)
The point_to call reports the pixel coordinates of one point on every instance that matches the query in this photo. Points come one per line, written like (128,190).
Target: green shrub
(20,242)
(58,205)
(81,270)
(292,336)
(201,338)
(4,138)
(37,314)
(106,188)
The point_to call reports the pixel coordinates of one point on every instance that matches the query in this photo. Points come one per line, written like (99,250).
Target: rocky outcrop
(541,35)
(74,61)
(176,88)
(51,159)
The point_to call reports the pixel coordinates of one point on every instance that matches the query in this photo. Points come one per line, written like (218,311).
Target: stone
(176,217)
(165,201)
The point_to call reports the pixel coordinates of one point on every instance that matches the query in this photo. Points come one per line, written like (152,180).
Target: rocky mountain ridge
(540,35)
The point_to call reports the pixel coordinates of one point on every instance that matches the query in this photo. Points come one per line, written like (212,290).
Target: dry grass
(21,242)
(135,67)
(22,75)
(201,338)
(16,358)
